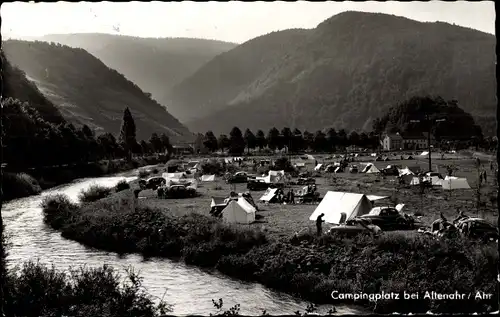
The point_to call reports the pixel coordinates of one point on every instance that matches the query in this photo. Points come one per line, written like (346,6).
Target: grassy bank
(305,266)
(18,185)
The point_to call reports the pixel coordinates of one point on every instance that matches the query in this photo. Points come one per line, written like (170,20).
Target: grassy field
(281,220)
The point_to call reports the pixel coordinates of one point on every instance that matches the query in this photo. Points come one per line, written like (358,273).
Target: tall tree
(297,141)
(210,141)
(342,138)
(165,142)
(286,137)
(363,140)
(250,140)
(354,138)
(223,142)
(156,143)
(146,149)
(308,140)
(237,146)
(273,139)
(128,132)
(261,139)
(332,139)
(320,142)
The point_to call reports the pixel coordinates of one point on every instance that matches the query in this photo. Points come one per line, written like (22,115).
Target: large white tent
(239,211)
(336,203)
(450,183)
(425,153)
(318,167)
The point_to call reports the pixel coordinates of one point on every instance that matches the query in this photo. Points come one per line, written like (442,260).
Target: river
(188,288)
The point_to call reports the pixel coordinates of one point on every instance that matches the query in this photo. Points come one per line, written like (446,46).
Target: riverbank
(19,185)
(304,266)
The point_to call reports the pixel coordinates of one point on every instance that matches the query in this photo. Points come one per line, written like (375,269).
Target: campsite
(284,220)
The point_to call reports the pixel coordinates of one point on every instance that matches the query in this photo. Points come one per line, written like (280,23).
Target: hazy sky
(230,21)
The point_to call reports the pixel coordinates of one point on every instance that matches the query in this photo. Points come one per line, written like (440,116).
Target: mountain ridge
(345,72)
(163,61)
(95,94)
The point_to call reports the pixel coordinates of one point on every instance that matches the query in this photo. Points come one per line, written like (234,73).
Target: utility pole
(429,122)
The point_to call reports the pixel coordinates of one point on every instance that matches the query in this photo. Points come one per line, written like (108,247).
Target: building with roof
(414,141)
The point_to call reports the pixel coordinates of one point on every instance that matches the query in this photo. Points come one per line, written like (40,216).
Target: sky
(226,21)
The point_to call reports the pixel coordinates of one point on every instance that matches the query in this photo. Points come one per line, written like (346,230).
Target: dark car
(260,184)
(389,219)
(306,181)
(176,191)
(353,228)
(239,177)
(152,183)
(353,169)
(478,228)
(391,170)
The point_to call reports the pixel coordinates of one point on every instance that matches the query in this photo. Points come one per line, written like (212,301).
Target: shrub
(57,210)
(40,291)
(212,167)
(94,193)
(19,185)
(122,185)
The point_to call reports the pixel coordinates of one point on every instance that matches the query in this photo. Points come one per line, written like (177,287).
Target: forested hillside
(342,74)
(88,92)
(225,80)
(154,64)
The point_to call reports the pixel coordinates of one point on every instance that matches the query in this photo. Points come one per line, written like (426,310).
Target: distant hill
(342,74)
(154,64)
(88,92)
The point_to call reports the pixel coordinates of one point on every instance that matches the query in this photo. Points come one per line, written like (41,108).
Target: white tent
(269,195)
(336,203)
(375,197)
(218,201)
(173,175)
(300,164)
(415,181)
(425,153)
(318,167)
(455,183)
(405,171)
(373,154)
(370,168)
(208,178)
(239,211)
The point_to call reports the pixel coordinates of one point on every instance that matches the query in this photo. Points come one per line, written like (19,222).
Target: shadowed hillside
(88,92)
(342,74)
(154,64)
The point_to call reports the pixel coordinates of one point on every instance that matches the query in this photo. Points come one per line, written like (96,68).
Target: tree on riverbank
(128,133)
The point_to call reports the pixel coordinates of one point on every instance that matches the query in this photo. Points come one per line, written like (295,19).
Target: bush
(40,291)
(57,210)
(19,185)
(94,193)
(122,185)
(212,167)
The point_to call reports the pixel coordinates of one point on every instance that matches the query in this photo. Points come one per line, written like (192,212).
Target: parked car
(176,191)
(391,170)
(478,228)
(306,181)
(389,219)
(239,177)
(152,183)
(353,169)
(353,228)
(260,184)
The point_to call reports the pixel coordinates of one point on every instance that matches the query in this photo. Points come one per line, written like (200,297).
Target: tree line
(31,141)
(292,140)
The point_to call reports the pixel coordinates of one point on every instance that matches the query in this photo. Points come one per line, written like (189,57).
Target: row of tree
(31,141)
(452,127)
(292,140)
